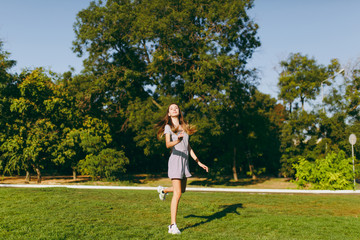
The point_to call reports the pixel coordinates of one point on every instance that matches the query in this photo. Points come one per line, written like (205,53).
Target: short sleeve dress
(178,166)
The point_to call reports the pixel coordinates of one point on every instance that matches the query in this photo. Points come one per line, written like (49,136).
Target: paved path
(193,189)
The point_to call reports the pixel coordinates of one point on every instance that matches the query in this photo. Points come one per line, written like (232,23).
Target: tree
(100,160)
(5,65)
(33,132)
(265,119)
(48,130)
(108,164)
(5,89)
(142,52)
(40,143)
(344,96)
(307,134)
(342,109)
(300,136)
(301,78)
(252,144)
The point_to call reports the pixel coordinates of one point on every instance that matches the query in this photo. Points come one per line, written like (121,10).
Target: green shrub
(335,172)
(107,164)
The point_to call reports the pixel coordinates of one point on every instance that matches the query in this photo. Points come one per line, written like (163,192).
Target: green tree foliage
(326,128)
(343,98)
(352,94)
(334,172)
(307,134)
(108,164)
(312,135)
(298,135)
(264,121)
(88,149)
(40,142)
(143,55)
(301,78)
(5,88)
(36,120)
(342,111)
(5,65)
(45,130)
(251,146)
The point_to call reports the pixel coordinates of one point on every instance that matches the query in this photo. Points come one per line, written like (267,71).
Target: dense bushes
(334,172)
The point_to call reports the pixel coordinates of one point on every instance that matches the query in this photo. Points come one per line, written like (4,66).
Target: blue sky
(40,33)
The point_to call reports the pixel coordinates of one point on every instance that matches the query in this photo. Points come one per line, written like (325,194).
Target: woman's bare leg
(168,190)
(175,199)
(179,187)
(183,187)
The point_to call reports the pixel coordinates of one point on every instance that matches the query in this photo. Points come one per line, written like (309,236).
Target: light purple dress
(179,159)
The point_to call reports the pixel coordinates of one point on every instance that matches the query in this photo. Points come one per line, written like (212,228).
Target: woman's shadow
(227,209)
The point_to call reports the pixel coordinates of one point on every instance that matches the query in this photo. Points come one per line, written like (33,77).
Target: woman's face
(173,110)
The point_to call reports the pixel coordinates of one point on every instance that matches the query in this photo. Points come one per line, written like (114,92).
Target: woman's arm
(193,155)
(170,144)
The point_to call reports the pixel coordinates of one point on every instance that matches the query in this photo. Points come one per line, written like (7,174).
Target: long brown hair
(189,129)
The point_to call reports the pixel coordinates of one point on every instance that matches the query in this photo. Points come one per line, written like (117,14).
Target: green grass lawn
(60,213)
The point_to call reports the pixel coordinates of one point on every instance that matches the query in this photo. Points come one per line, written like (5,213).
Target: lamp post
(322,87)
(352,140)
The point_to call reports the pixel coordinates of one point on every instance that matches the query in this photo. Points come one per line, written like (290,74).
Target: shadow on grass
(218,215)
(229,182)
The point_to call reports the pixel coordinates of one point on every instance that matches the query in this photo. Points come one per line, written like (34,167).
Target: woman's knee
(177,194)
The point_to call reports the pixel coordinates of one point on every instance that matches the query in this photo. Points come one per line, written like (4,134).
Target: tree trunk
(234,166)
(28,177)
(74,174)
(251,169)
(302,103)
(38,175)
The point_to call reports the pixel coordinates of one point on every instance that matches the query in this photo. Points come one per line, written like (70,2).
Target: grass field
(60,213)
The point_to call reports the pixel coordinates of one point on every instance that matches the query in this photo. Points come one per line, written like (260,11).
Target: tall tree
(342,107)
(37,117)
(5,65)
(314,134)
(191,52)
(6,89)
(301,78)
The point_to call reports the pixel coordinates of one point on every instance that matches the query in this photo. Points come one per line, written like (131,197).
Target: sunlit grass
(60,213)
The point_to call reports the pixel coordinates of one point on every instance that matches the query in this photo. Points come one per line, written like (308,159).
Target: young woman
(177,132)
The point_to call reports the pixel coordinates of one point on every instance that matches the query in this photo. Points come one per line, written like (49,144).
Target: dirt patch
(152,181)
(45,180)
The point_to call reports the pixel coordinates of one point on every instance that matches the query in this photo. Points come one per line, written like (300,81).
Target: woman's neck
(175,121)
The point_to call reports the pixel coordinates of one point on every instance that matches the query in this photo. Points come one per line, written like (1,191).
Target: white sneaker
(173,229)
(162,195)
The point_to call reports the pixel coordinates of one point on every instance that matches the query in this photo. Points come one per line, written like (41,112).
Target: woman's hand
(203,166)
(181,135)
